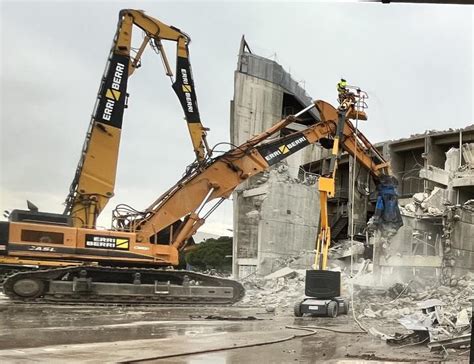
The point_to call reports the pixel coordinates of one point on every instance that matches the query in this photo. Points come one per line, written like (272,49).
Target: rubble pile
(280,290)
(438,316)
(425,204)
(280,173)
(277,291)
(401,299)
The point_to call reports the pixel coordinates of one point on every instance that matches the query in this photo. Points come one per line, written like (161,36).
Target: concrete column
(360,200)
(433,155)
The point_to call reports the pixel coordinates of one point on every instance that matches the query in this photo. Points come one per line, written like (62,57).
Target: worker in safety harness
(342,90)
(345,95)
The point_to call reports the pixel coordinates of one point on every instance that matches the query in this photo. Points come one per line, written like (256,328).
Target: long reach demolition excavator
(128,263)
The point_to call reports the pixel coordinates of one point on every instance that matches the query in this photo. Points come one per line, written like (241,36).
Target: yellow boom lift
(323,287)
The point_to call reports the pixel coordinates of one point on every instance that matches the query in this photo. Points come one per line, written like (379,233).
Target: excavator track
(7,271)
(112,285)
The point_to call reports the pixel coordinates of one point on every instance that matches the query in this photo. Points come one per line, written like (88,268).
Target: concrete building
(436,174)
(276,213)
(435,171)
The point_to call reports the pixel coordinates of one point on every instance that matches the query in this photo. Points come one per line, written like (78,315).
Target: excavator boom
(94,181)
(181,205)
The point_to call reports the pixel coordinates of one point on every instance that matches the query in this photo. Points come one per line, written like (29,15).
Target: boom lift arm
(94,180)
(387,213)
(322,286)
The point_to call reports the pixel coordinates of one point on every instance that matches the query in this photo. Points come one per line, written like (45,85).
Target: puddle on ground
(11,337)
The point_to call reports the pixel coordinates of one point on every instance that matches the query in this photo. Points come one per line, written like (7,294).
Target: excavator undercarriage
(113,285)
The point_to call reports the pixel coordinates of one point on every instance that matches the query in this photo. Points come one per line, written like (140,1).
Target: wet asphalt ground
(98,334)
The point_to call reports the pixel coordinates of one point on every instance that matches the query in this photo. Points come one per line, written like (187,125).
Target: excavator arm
(178,211)
(94,180)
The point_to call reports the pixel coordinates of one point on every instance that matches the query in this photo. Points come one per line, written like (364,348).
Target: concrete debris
(371,314)
(280,173)
(363,268)
(281,273)
(429,304)
(419,197)
(434,200)
(425,319)
(374,332)
(344,249)
(469,205)
(425,204)
(398,289)
(443,313)
(415,296)
(417,337)
(458,342)
(270,308)
(452,160)
(468,154)
(276,292)
(462,319)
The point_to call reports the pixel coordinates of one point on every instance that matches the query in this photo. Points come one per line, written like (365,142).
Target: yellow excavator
(121,258)
(128,263)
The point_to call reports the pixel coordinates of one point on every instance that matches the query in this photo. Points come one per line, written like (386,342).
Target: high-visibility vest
(341,86)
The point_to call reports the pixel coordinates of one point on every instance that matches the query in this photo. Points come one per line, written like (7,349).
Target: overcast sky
(415,61)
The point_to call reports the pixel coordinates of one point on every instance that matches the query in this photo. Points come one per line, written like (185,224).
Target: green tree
(212,254)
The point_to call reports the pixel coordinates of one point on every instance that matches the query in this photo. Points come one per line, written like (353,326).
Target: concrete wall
(462,242)
(275,215)
(257,105)
(275,222)
(416,250)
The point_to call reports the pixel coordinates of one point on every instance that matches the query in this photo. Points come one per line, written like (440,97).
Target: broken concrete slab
(431,303)
(286,272)
(434,200)
(346,249)
(435,174)
(369,313)
(462,319)
(255,191)
(374,332)
(468,154)
(450,343)
(452,160)
(419,197)
(463,179)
